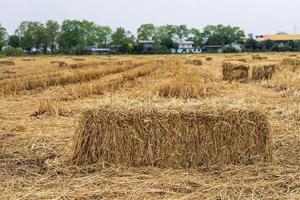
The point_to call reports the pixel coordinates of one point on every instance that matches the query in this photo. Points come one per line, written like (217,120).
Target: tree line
(70,36)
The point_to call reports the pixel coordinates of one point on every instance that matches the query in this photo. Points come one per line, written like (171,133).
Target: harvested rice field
(202,126)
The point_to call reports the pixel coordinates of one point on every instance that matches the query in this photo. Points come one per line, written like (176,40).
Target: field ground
(41,101)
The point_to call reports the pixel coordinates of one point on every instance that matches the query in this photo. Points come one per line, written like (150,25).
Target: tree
(14,41)
(251,45)
(123,39)
(31,34)
(196,36)
(181,32)
(164,38)
(146,32)
(76,35)
(51,35)
(223,35)
(269,45)
(72,36)
(103,35)
(3,36)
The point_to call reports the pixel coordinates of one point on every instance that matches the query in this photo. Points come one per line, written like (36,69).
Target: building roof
(212,46)
(186,42)
(288,37)
(146,41)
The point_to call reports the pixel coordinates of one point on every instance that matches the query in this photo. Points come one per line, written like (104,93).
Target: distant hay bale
(244,60)
(62,64)
(293,55)
(125,62)
(291,61)
(55,62)
(160,61)
(78,59)
(263,71)
(47,107)
(208,58)
(7,62)
(28,59)
(196,62)
(185,89)
(233,70)
(50,107)
(176,136)
(74,65)
(258,57)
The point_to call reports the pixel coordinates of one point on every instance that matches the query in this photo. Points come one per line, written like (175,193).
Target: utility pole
(295,29)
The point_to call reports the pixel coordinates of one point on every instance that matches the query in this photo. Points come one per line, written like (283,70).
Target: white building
(185,47)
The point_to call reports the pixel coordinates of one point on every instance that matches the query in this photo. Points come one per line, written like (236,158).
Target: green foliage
(11,51)
(251,45)
(124,39)
(181,32)
(78,34)
(51,35)
(223,35)
(74,35)
(3,35)
(229,49)
(14,41)
(103,34)
(146,32)
(197,37)
(31,34)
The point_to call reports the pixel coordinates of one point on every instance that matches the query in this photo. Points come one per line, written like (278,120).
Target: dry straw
(258,57)
(48,107)
(184,89)
(7,62)
(196,62)
(171,135)
(291,61)
(233,70)
(263,71)
(12,86)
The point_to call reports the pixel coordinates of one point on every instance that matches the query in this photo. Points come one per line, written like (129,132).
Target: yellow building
(280,38)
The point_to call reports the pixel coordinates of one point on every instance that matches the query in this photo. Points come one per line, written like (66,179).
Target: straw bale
(263,71)
(233,70)
(197,62)
(291,61)
(258,57)
(171,135)
(7,62)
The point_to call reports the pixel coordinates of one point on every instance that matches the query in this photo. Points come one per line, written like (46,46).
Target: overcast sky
(253,16)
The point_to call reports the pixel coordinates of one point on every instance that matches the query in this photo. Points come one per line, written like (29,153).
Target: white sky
(253,16)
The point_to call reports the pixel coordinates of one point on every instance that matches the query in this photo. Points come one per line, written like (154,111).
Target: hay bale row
(258,57)
(184,89)
(208,58)
(244,60)
(78,59)
(233,70)
(263,71)
(7,62)
(160,61)
(125,62)
(63,64)
(196,62)
(291,61)
(171,135)
(48,107)
(28,59)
